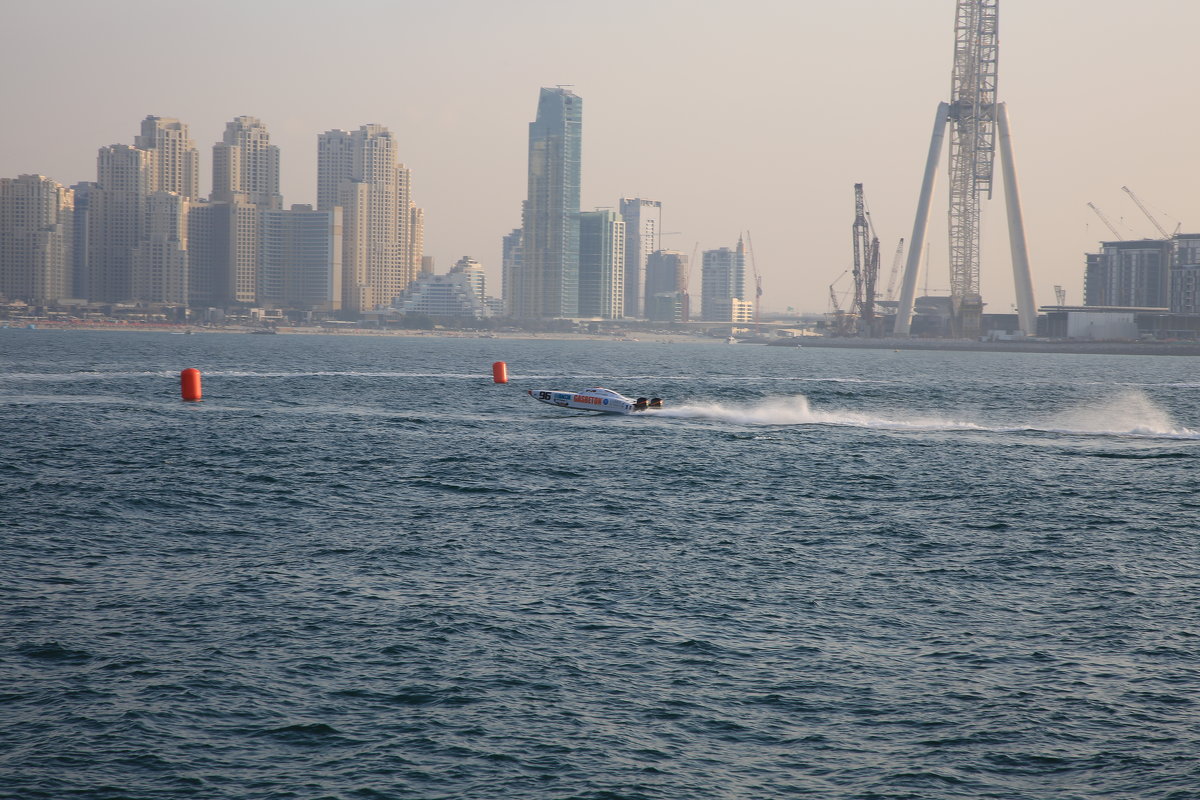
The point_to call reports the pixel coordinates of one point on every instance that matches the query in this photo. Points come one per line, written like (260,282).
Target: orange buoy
(500,372)
(189,384)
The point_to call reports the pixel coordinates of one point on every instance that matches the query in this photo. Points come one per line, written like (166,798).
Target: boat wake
(796,410)
(1129,414)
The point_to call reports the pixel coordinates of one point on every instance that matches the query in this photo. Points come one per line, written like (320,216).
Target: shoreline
(1073,348)
(807,342)
(660,338)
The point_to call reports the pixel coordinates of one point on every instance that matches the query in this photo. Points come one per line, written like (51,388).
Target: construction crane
(1106,222)
(866,266)
(1161,230)
(860,235)
(875,244)
(896,261)
(874,325)
(687,280)
(757,298)
(757,282)
(842,321)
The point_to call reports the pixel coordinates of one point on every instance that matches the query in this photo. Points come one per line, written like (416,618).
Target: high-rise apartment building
(116,218)
(162,159)
(642,219)
(335,164)
(666,286)
(160,259)
(245,186)
(547,283)
(359,172)
(601,264)
(723,284)
(175,165)
(246,165)
(235,251)
(1185,273)
(223,253)
(205,289)
(1129,273)
(301,261)
(36,233)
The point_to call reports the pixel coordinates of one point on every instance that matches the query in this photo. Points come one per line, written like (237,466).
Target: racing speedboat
(597,399)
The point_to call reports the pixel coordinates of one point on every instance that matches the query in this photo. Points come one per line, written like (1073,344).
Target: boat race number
(543,395)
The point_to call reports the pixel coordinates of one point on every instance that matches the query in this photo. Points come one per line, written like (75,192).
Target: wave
(616,380)
(92,399)
(796,410)
(1129,414)
(86,375)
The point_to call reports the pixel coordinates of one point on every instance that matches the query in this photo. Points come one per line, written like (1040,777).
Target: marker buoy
(500,372)
(189,384)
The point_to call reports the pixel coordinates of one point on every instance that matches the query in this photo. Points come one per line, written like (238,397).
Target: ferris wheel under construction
(977,123)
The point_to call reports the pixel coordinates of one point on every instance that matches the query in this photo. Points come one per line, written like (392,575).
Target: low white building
(452,295)
(1095,323)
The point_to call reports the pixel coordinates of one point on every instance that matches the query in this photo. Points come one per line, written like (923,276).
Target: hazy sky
(754,115)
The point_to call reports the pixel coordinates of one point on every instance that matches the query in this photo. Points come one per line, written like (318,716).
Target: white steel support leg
(916,245)
(1022,278)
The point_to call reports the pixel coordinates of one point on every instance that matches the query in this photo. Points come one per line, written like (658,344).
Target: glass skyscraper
(547,283)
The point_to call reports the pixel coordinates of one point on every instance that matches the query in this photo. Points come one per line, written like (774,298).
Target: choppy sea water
(359,569)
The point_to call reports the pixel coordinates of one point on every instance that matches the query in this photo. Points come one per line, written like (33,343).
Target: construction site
(979,135)
(1134,288)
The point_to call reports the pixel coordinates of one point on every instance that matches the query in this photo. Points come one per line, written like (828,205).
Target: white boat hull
(599,399)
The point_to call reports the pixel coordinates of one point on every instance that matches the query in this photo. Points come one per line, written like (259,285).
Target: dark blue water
(359,569)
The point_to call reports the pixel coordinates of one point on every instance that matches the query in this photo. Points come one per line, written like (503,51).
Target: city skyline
(771,139)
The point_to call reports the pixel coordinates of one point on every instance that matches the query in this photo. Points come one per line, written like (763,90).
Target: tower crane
(866,265)
(872,278)
(843,321)
(1106,222)
(1161,230)
(835,309)
(896,261)
(687,280)
(757,282)
(860,235)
